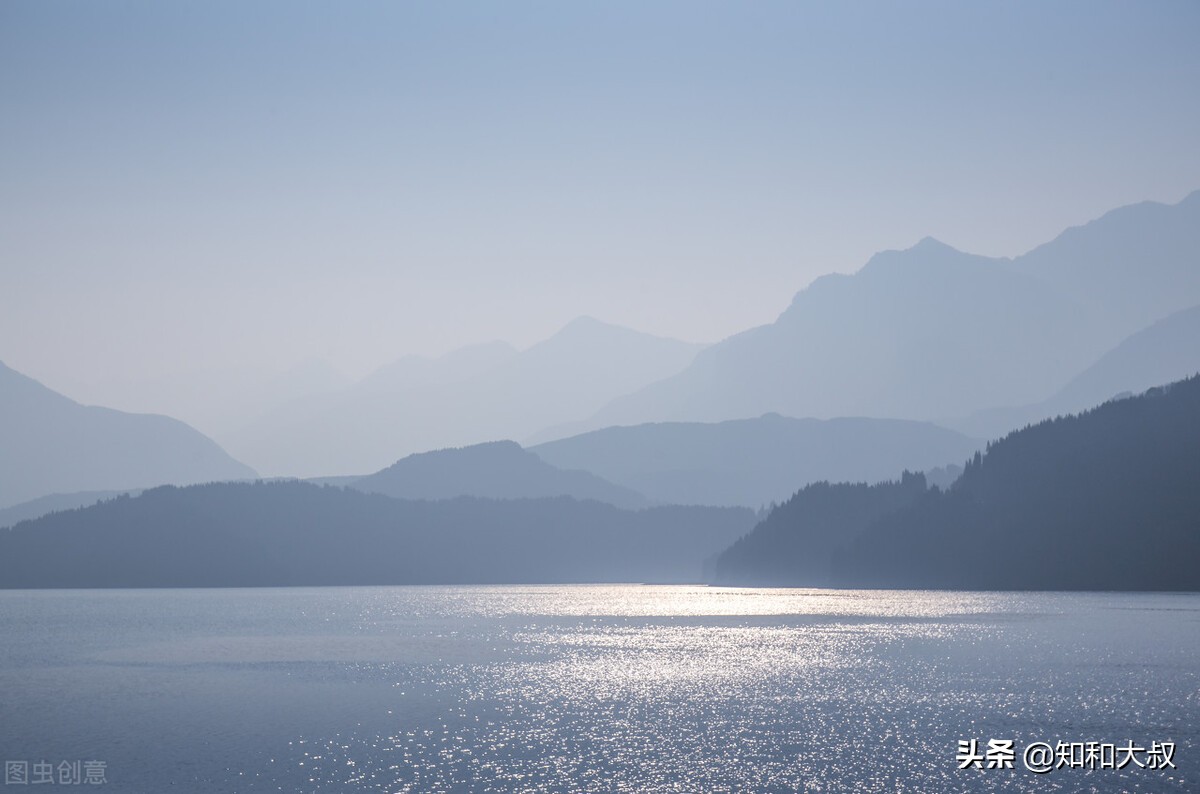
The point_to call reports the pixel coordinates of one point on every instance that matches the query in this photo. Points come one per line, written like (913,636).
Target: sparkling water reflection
(593,688)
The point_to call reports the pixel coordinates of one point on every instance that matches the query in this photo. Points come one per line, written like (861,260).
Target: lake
(599,688)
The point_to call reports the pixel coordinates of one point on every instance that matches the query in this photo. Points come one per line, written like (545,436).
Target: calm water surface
(592,688)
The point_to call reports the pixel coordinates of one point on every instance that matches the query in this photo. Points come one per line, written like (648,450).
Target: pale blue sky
(194,190)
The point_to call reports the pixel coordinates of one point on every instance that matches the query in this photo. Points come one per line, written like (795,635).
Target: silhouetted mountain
(295,533)
(1167,351)
(1106,500)
(754,462)
(51,444)
(933,332)
(44,505)
(483,393)
(1103,501)
(794,544)
(495,470)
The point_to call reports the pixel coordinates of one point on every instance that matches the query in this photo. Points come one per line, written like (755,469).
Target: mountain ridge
(755,462)
(514,394)
(493,470)
(292,533)
(51,444)
(1101,500)
(929,331)
(1165,351)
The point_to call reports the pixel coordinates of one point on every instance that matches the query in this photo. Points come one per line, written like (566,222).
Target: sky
(198,197)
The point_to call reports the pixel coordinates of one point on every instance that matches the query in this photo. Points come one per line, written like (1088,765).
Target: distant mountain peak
(587,321)
(500,447)
(927,250)
(588,326)
(586,330)
(488,450)
(494,469)
(928,243)
(928,247)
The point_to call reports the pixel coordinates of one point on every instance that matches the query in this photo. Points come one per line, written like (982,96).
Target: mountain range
(755,462)
(296,533)
(976,344)
(480,393)
(1102,500)
(932,332)
(493,470)
(56,502)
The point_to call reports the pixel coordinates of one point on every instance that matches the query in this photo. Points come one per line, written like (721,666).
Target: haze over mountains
(1104,500)
(927,332)
(794,546)
(481,393)
(295,533)
(755,462)
(55,502)
(51,444)
(494,470)
(1161,353)
(1138,263)
(931,332)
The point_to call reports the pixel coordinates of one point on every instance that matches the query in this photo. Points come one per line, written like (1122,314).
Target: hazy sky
(189,191)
